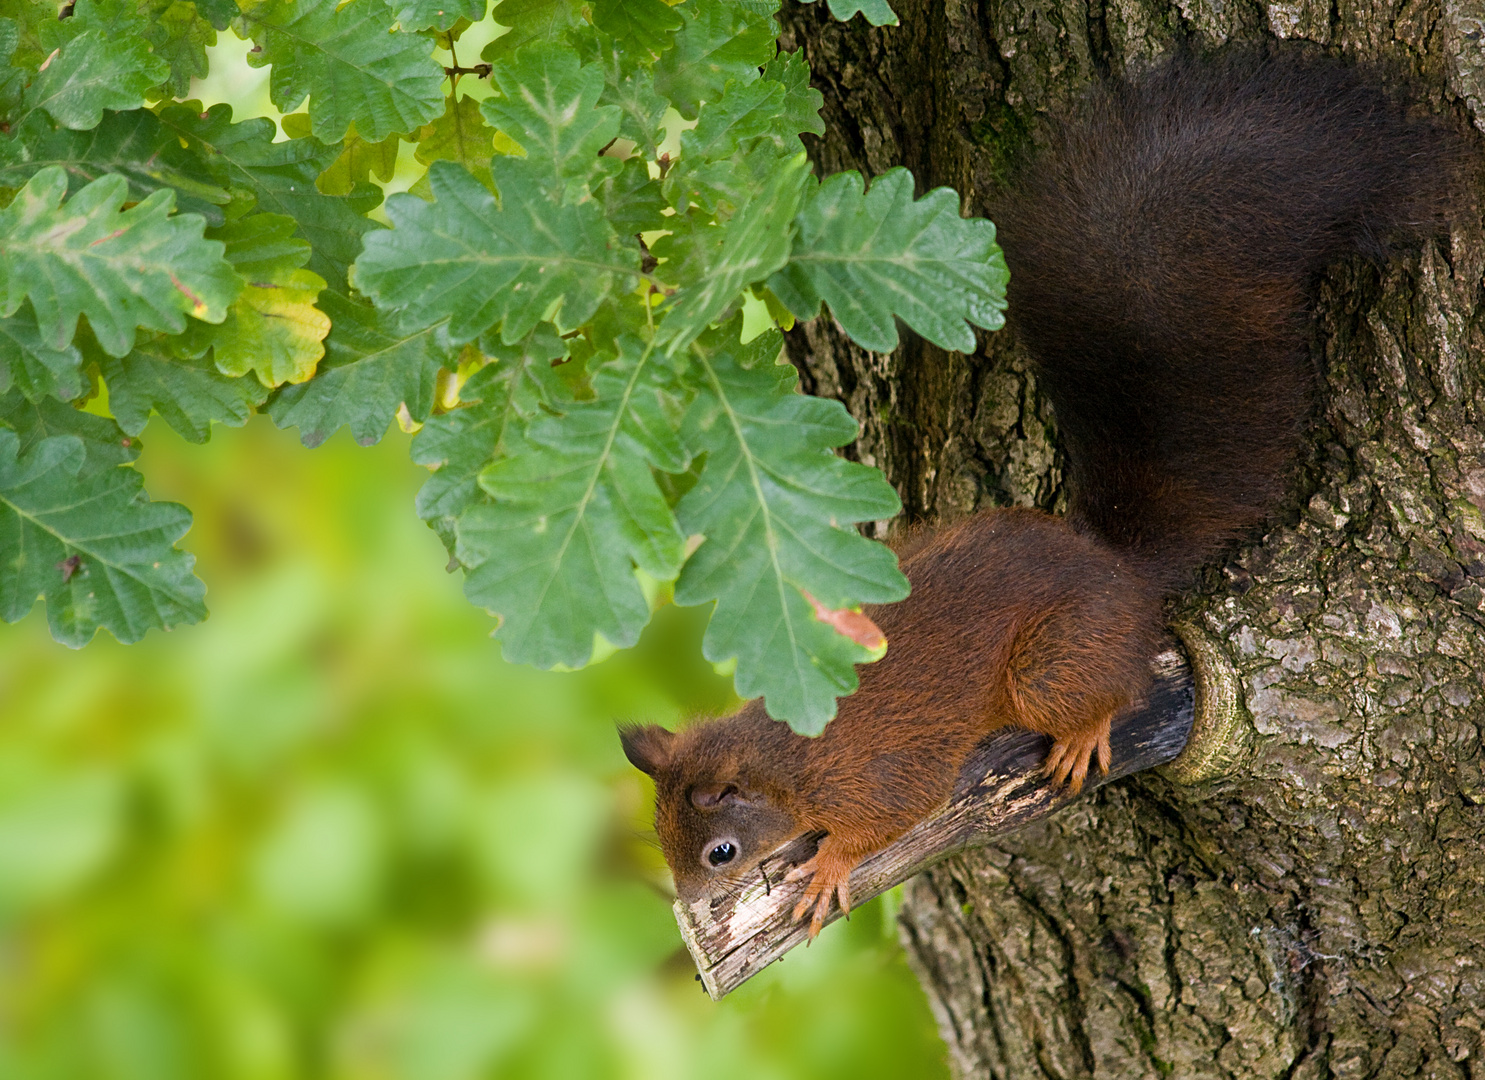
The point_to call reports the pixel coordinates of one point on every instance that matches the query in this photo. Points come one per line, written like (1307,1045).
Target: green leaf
(721,188)
(775,507)
(273,327)
(740,138)
(801,104)
(92,72)
(188,393)
(639,409)
(180,37)
(104,445)
(12,79)
(720,41)
(219,13)
(437,14)
(744,111)
(756,244)
(30,16)
(877,12)
(134,145)
(280,178)
(531,20)
(349,66)
(499,398)
(631,201)
(31,365)
(883,254)
(630,87)
(575,509)
(127,575)
(549,105)
(692,243)
(480,264)
(370,368)
(139,267)
(111,18)
(646,25)
(358,160)
(460,135)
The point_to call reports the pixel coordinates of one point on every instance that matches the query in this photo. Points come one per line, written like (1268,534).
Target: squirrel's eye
(723,853)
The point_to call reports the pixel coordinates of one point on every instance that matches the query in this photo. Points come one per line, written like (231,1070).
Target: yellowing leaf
(280,333)
(274,327)
(358,162)
(372,371)
(461,135)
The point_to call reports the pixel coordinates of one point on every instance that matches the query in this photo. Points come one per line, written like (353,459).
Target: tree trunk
(1319,910)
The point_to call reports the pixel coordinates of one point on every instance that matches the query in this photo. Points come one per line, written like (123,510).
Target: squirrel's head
(716,823)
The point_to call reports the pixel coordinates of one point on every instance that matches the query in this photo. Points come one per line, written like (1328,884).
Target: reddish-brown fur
(1014,619)
(1162,252)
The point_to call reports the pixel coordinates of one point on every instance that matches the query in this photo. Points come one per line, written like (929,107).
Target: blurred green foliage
(329,833)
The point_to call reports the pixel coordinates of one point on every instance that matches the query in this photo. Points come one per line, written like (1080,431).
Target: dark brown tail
(1163,249)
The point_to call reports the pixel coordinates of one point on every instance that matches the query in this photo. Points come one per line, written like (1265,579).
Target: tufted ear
(707,796)
(647,746)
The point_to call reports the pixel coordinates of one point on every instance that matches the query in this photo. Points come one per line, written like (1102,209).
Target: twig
(1000,788)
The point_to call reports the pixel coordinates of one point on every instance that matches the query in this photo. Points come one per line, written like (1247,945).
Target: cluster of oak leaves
(555,303)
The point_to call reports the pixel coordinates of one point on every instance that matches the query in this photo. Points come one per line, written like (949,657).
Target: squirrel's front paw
(831,870)
(1070,756)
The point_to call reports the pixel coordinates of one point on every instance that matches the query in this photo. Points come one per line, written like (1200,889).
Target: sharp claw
(1079,773)
(803,870)
(818,922)
(1054,758)
(806,901)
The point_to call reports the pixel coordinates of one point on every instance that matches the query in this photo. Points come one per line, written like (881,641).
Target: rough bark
(1320,911)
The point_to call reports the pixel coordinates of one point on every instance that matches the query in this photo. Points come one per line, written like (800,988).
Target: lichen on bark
(1321,911)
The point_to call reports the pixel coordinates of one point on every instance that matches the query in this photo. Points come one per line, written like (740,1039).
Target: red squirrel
(1163,246)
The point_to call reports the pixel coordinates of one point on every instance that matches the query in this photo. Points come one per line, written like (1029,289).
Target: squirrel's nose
(690,889)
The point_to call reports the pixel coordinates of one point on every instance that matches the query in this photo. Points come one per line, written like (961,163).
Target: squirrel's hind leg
(1071,670)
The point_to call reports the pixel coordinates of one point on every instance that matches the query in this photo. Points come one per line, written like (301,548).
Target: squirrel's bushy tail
(1162,251)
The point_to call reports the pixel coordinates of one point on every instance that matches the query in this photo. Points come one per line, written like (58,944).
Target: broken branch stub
(1000,788)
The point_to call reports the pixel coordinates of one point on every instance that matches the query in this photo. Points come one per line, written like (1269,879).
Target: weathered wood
(1000,788)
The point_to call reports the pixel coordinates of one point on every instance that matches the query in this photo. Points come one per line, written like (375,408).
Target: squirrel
(1164,246)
